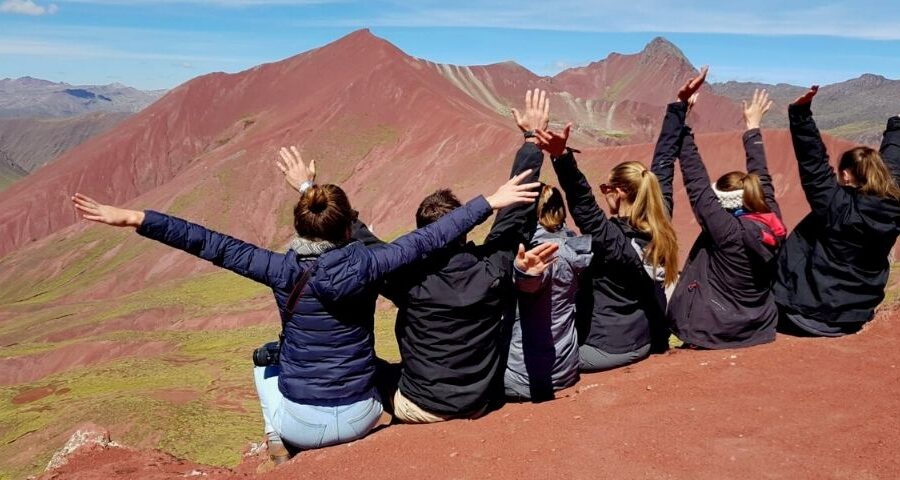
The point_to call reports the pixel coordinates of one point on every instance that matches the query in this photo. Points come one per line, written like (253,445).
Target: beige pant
(408,412)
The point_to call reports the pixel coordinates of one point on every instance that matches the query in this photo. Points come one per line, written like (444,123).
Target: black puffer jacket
(834,265)
(723,297)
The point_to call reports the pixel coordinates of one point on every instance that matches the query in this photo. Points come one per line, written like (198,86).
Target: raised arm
(816,175)
(890,146)
(516,224)
(753,145)
(668,146)
(240,257)
(714,219)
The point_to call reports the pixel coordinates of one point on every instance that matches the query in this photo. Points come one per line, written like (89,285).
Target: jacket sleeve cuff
(480,207)
(893,123)
(677,107)
(799,112)
(153,226)
(751,134)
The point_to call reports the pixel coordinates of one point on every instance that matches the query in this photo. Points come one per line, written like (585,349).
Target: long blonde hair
(551,211)
(754,197)
(648,215)
(872,175)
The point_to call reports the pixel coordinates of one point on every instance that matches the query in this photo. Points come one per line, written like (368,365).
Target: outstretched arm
(240,257)
(384,259)
(714,219)
(890,146)
(753,145)
(816,175)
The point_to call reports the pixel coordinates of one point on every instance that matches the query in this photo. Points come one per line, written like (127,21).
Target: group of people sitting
(520,315)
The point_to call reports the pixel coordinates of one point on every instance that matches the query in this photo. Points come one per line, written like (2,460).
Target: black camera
(267,354)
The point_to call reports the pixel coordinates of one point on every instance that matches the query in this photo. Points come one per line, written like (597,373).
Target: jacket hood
(767,238)
(336,273)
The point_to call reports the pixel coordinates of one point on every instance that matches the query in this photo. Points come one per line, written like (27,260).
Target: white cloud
(27,7)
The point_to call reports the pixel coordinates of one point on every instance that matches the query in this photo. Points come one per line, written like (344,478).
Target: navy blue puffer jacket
(328,357)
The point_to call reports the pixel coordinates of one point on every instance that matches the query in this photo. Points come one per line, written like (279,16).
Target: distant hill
(29,97)
(40,120)
(856,109)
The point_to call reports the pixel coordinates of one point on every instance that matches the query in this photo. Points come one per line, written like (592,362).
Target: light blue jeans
(313,426)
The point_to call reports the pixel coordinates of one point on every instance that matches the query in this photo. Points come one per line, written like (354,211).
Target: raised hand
(96,212)
(537,111)
(807,97)
(552,142)
(756,109)
(535,261)
(295,171)
(513,192)
(693,85)
(691,102)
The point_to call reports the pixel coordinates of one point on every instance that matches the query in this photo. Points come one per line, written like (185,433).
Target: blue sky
(160,44)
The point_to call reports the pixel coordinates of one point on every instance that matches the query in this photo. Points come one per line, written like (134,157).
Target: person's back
(451,307)
(834,267)
(723,299)
(543,350)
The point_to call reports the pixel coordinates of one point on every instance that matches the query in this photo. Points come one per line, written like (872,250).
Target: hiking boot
(278,453)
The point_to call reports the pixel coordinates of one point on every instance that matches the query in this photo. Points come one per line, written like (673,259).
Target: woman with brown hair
(319,389)
(723,297)
(834,267)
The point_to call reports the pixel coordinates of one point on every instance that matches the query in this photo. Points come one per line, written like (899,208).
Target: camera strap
(295,295)
(298,287)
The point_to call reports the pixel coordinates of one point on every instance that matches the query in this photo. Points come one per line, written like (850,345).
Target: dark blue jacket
(834,265)
(328,354)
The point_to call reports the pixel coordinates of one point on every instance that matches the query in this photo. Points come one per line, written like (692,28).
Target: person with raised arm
(723,298)
(635,250)
(451,306)
(835,265)
(543,349)
(318,390)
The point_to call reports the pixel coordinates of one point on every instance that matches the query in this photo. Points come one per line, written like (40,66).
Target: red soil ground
(796,408)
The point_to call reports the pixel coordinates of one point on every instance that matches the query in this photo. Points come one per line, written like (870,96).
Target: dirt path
(797,408)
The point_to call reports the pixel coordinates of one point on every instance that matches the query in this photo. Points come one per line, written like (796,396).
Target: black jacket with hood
(624,308)
(723,297)
(834,265)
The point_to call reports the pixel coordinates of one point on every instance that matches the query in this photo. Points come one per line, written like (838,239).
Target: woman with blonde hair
(723,298)
(834,267)
(635,251)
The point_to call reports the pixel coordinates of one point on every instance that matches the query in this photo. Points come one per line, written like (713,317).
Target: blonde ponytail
(648,215)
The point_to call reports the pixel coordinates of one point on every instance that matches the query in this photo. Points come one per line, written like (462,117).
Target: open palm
(536,260)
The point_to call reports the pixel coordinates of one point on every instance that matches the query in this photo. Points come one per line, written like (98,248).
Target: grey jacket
(543,351)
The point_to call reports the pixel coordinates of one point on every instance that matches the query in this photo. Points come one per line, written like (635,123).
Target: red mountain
(614,101)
